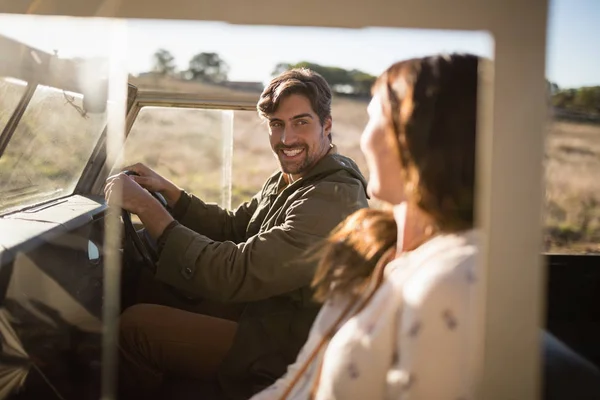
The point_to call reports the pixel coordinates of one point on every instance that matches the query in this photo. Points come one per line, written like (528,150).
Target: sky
(253,51)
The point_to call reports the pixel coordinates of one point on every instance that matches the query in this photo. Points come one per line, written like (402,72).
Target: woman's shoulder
(443,267)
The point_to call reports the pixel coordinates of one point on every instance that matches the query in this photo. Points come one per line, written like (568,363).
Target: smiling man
(255,255)
(299,126)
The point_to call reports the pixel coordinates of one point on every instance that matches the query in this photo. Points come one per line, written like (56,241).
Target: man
(255,255)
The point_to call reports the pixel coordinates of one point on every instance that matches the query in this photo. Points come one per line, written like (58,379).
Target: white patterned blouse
(414,339)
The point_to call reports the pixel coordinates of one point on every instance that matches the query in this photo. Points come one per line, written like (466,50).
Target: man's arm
(266,265)
(208,219)
(213,221)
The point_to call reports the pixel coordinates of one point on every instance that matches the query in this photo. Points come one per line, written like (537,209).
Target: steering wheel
(146,252)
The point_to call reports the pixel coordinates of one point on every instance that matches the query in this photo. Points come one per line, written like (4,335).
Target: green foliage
(352,82)
(583,99)
(588,99)
(207,67)
(281,68)
(564,98)
(362,81)
(163,62)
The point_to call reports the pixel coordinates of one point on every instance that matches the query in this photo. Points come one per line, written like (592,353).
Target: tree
(552,87)
(564,98)
(587,99)
(353,82)
(208,67)
(583,99)
(363,82)
(163,62)
(281,68)
(335,76)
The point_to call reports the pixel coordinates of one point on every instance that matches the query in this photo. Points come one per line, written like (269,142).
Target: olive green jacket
(257,255)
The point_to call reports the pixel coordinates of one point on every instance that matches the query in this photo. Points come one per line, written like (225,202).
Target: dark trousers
(165,350)
(171,348)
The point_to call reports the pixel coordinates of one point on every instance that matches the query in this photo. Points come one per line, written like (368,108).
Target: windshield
(49,148)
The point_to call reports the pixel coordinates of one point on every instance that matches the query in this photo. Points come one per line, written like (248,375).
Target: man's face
(297,137)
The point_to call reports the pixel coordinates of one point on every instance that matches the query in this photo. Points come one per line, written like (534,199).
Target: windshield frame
(96,165)
(15,117)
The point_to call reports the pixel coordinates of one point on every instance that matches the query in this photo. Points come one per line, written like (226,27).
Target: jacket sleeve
(268,264)
(213,221)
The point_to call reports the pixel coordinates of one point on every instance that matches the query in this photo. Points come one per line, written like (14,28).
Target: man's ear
(327,124)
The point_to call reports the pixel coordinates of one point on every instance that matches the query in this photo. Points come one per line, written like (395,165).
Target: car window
(49,148)
(253,160)
(572,222)
(221,156)
(11,91)
(572,159)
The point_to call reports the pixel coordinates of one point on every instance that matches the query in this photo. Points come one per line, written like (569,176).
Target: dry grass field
(573,187)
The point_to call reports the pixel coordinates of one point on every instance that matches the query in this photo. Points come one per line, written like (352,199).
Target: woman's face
(383,160)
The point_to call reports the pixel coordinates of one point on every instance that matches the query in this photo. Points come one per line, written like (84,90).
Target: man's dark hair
(301,81)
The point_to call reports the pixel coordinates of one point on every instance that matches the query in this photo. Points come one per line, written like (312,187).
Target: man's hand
(152,181)
(137,200)
(133,197)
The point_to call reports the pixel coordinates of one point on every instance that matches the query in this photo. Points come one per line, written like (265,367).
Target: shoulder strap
(356,306)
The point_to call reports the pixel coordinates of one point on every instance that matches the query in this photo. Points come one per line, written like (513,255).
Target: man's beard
(297,167)
(302,167)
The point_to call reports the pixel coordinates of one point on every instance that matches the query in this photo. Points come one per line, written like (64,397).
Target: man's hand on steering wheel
(137,200)
(134,198)
(150,180)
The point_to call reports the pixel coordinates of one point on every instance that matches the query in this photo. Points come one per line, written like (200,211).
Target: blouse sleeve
(430,361)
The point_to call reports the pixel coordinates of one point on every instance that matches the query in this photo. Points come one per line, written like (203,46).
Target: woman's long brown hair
(430,108)
(349,255)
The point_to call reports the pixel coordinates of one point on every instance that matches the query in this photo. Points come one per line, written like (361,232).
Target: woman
(397,316)
(398,286)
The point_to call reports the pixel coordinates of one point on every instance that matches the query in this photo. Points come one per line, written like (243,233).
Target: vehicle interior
(61,282)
